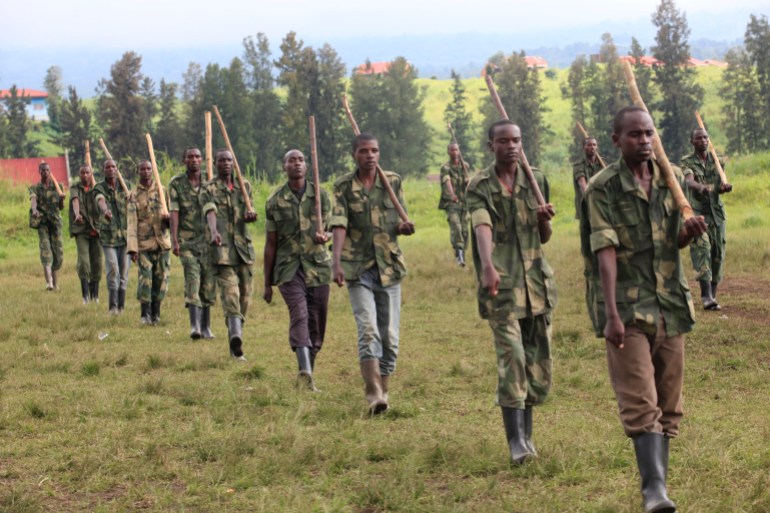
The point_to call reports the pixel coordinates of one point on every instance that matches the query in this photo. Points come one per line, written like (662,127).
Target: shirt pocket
(391,214)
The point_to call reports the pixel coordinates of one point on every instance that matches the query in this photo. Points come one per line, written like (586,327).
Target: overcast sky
(179,23)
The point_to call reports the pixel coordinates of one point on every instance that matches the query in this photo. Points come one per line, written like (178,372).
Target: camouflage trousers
(51,248)
(89,257)
(234,282)
(154,272)
(524,366)
(200,286)
(708,252)
(458,227)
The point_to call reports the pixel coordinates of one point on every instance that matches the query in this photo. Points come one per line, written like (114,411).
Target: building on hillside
(25,171)
(37,102)
(532,61)
(646,60)
(374,68)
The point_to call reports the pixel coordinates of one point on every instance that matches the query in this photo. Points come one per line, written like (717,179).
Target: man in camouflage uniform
(231,252)
(187,240)
(297,262)
(45,204)
(584,169)
(111,200)
(84,223)
(149,243)
(705,187)
(644,305)
(365,226)
(516,288)
(454,180)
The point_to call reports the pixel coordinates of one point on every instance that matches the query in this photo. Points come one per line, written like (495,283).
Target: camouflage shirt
(88,209)
(230,210)
(644,234)
(147,231)
(527,287)
(370,218)
(187,201)
(710,204)
(458,177)
(47,201)
(582,169)
(294,221)
(112,233)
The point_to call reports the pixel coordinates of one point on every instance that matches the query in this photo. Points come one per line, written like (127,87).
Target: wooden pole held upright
(209,157)
(657,147)
(712,150)
(586,136)
(88,162)
(380,172)
(238,174)
(316,177)
(156,175)
(523,159)
(109,157)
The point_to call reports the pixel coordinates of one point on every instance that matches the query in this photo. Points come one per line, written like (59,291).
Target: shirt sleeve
(207,199)
(339,217)
(173,197)
(477,206)
(270,224)
(603,235)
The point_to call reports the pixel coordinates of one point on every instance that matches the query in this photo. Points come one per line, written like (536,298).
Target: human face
(45,172)
(145,172)
(453,151)
(85,175)
(192,160)
(590,148)
(294,165)
(635,137)
(224,164)
(506,144)
(700,141)
(367,155)
(110,170)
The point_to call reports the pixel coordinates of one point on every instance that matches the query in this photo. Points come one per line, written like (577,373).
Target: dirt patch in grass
(740,296)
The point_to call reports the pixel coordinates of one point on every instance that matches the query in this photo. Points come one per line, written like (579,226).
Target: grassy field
(100,414)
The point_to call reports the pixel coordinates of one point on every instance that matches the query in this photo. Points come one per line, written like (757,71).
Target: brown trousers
(647,376)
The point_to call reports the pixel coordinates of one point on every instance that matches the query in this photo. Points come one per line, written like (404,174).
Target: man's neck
(193,175)
(297,184)
(703,155)
(146,184)
(110,182)
(640,170)
(592,159)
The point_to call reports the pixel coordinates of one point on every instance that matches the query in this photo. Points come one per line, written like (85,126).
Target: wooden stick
(712,150)
(56,184)
(246,199)
(88,162)
(156,175)
(109,157)
(459,153)
(316,177)
(586,136)
(380,172)
(657,147)
(523,158)
(209,157)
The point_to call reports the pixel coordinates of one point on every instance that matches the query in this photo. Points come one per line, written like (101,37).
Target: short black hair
(493,127)
(589,138)
(692,134)
(43,163)
(618,120)
(452,144)
(362,137)
(184,153)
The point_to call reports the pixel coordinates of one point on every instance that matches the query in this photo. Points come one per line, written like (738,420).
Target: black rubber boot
(313,354)
(84,291)
(121,300)
(513,419)
(460,257)
(305,376)
(206,323)
(714,295)
(155,312)
(113,301)
(706,295)
(93,290)
(146,316)
(528,430)
(652,459)
(196,313)
(235,334)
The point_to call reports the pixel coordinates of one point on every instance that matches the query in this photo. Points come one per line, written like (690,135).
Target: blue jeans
(377,310)
(116,266)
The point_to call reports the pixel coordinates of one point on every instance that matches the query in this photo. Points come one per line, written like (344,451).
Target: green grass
(146,419)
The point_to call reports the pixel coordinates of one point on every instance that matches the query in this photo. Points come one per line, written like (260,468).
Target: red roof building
(372,68)
(37,108)
(24,171)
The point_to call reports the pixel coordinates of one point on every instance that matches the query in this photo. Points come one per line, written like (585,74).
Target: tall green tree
(461,120)
(743,104)
(168,131)
(757,42)
(75,129)
(18,143)
(642,73)
(53,86)
(680,95)
(390,106)
(150,103)
(521,93)
(120,111)
(575,91)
